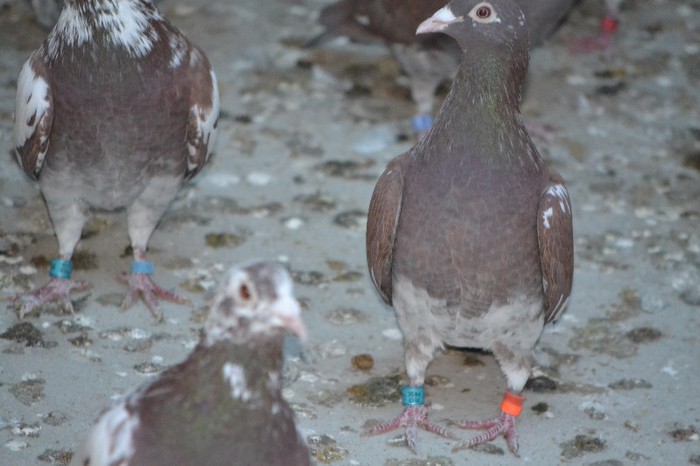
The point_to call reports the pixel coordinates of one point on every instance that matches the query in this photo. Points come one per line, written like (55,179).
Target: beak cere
(439,21)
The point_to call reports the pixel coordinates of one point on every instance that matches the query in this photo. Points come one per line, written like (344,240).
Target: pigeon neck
(482,109)
(492,81)
(260,349)
(242,333)
(123,25)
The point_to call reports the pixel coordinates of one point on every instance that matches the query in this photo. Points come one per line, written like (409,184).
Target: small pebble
(52,456)
(540,407)
(16,445)
(149,368)
(259,179)
(363,362)
(392,334)
(294,223)
(346,316)
(541,384)
(582,444)
(55,418)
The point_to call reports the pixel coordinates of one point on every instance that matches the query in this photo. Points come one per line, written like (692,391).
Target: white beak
(439,21)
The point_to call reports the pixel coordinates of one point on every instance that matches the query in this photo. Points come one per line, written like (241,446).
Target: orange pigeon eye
(244,292)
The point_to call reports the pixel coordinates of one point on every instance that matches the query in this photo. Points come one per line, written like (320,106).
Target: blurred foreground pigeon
(427,60)
(469,234)
(115,110)
(223,405)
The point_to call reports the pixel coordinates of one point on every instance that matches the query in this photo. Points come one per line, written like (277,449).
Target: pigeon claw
(143,285)
(412,418)
(503,424)
(55,290)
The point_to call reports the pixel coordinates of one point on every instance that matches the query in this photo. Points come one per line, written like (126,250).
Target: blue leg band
(61,268)
(412,396)
(143,267)
(422,122)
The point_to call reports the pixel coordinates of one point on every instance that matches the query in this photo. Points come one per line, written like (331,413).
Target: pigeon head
(495,53)
(472,23)
(254,300)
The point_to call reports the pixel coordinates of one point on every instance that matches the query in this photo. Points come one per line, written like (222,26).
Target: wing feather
(556,243)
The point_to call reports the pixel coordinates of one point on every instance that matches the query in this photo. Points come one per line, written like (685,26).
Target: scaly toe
(143,285)
(55,290)
(504,424)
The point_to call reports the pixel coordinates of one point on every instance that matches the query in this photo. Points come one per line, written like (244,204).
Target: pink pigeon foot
(503,424)
(56,289)
(142,284)
(412,418)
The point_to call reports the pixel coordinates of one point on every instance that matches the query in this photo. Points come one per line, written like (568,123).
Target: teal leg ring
(142,267)
(412,396)
(61,268)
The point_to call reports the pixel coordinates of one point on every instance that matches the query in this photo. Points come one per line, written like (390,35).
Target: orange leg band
(512,404)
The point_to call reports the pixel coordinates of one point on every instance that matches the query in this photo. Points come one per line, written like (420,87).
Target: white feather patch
(207,132)
(178,48)
(235,376)
(111,439)
(71,29)
(126,23)
(31,105)
(559,191)
(129,27)
(546,215)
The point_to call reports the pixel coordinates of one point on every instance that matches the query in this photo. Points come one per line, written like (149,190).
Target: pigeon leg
(68,219)
(58,288)
(515,364)
(142,217)
(502,424)
(141,283)
(415,415)
(417,356)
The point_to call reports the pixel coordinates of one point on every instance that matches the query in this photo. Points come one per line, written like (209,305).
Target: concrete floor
(304,134)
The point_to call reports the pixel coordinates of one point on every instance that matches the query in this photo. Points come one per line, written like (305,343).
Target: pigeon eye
(244,292)
(484,13)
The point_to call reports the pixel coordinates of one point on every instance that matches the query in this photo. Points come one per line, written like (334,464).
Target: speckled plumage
(469,234)
(115,110)
(223,404)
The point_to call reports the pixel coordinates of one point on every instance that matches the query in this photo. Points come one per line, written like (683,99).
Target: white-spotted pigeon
(223,405)
(116,109)
(469,234)
(427,60)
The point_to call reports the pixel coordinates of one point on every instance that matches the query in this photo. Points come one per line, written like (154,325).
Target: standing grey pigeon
(223,405)
(469,234)
(427,60)
(115,110)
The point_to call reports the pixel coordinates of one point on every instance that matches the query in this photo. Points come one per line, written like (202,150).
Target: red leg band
(512,404)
